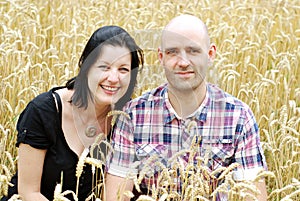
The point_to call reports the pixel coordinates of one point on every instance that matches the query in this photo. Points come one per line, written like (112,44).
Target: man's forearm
(115,187)
(261,186)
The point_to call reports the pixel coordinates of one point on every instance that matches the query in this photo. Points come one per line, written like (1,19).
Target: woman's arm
(30,169)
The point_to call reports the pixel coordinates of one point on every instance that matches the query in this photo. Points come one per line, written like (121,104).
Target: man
(159,120)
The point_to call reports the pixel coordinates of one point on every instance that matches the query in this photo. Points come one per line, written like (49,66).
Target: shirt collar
(200,114)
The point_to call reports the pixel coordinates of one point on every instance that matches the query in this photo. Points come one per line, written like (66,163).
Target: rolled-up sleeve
(249,152)
(122,161)
(31,128)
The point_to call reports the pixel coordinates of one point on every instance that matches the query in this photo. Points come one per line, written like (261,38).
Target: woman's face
(109,77)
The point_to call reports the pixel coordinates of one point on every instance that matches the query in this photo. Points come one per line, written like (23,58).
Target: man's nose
(183,59)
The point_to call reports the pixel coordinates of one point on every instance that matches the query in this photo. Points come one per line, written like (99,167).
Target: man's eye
(171,52)
(193,50)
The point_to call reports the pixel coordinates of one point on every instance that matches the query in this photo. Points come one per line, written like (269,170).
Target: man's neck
(187,102)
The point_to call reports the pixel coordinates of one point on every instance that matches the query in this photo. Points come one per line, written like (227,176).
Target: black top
(39,126)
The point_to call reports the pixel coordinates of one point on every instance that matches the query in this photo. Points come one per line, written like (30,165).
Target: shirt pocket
(152,157)
(217,152)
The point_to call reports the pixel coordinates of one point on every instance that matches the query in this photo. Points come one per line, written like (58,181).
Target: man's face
(185,57)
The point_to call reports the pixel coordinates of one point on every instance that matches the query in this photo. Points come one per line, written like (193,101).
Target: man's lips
(185,74)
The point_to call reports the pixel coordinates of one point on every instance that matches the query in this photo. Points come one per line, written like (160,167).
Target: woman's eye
(124,69)
(103,67)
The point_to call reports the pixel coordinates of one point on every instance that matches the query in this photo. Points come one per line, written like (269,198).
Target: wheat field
(258,61)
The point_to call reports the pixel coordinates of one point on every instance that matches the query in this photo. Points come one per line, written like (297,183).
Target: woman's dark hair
(107,35)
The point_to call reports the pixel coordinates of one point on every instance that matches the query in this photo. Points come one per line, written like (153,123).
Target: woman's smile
(110,89)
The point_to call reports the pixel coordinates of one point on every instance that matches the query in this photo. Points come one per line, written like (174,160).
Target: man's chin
(183,86)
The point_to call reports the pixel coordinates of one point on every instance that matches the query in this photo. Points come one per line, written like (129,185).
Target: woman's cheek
(125,79)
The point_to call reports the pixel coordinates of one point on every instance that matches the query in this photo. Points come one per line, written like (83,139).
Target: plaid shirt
(224,126)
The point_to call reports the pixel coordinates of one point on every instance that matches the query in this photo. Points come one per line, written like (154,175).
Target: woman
(57,126)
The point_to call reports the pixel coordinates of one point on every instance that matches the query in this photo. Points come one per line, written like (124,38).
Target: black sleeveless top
(39,126)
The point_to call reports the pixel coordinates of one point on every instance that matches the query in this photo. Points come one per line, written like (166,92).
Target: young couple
(58,125)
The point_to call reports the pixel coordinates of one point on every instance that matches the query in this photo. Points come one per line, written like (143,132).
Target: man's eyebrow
(185,48)
(170,48)
(193,47)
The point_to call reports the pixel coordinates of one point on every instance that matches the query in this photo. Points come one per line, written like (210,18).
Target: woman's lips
(110,89)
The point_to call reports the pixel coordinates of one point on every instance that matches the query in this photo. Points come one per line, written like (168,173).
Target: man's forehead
(173,39)
(180,45)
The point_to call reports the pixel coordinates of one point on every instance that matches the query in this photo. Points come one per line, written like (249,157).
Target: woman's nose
(113,76)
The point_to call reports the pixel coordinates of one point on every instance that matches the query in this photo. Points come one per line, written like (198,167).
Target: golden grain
(257,61)
(80,165)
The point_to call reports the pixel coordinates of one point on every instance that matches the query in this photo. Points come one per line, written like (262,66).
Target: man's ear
(160,54)
(212,52)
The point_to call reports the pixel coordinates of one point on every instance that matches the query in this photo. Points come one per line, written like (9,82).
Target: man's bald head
(185,26)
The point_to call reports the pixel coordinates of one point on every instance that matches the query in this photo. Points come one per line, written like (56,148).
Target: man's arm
(261,186)
(115,187)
